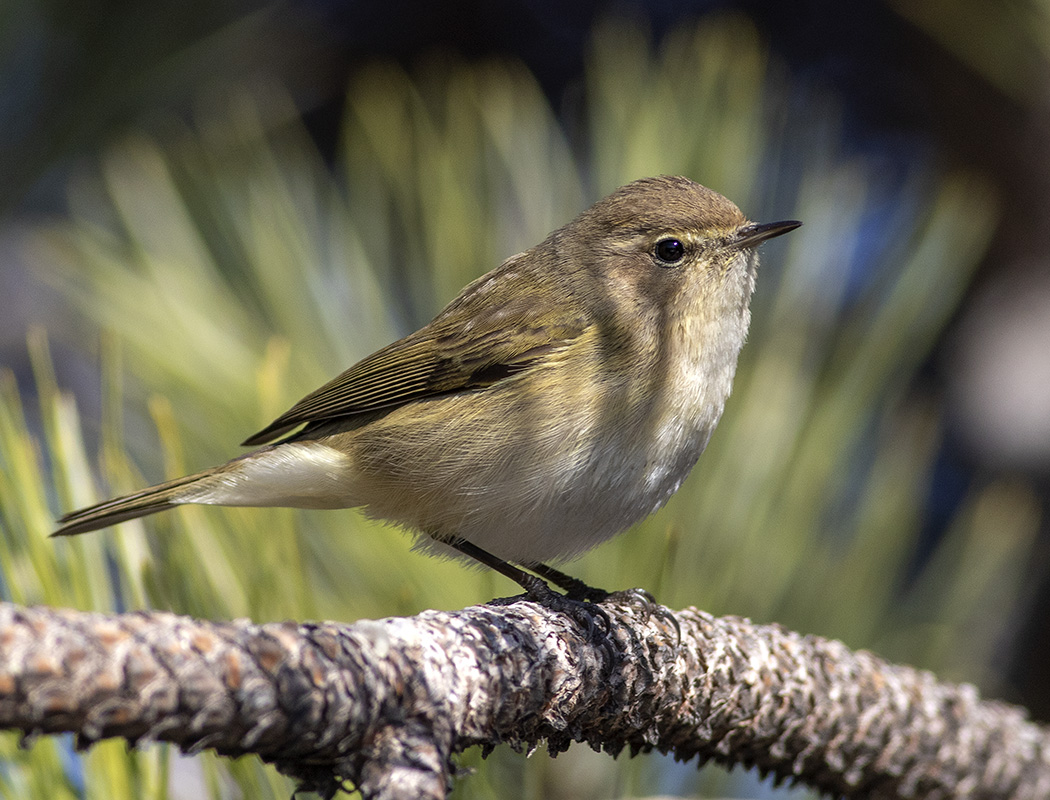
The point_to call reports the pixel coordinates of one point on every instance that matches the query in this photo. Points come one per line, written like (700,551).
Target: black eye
(669,251)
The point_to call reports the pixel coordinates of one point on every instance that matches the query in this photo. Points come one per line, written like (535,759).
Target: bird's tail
(138,504)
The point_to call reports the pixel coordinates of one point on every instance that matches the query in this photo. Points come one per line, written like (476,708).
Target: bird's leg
(538,591)
(532,585)
(575,588)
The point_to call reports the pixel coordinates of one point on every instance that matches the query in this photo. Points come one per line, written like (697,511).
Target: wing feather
(455,353)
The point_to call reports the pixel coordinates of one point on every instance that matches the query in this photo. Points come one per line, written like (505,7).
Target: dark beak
(757,232)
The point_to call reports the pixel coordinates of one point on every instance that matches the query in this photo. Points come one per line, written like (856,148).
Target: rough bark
(386,704)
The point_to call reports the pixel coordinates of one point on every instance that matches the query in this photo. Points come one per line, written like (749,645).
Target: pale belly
(535,492)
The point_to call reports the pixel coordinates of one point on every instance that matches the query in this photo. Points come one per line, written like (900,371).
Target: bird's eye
(669,251)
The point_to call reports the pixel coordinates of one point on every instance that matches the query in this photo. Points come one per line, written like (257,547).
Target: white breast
(593,485)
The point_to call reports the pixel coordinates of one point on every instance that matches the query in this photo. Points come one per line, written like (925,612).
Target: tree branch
(385,704)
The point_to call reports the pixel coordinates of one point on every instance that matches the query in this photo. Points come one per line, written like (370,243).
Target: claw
(642,599)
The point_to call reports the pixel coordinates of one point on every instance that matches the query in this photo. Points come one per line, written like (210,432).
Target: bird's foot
(646,603)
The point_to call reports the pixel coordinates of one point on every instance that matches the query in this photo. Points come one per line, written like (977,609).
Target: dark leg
(577,589)
(530,583)
(536,590)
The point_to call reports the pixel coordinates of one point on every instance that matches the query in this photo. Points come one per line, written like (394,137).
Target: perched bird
(555,402)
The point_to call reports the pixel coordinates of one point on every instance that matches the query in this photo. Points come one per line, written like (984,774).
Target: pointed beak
(757,232)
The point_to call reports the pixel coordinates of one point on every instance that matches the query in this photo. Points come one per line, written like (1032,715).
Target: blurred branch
(385,703)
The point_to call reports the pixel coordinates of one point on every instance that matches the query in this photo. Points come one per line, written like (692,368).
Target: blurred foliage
(73,75)
(1006,42)
(224,271)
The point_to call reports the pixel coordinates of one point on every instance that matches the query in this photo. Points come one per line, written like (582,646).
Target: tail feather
(130,506)
(295,475)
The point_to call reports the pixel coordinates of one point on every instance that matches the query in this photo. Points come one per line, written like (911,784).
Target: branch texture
(385,704)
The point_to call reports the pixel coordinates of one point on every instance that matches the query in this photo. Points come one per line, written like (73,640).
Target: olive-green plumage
(559,399)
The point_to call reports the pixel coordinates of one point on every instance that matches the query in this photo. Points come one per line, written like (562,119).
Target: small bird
(555,402)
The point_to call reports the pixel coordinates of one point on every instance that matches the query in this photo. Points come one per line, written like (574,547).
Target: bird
(555,402)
